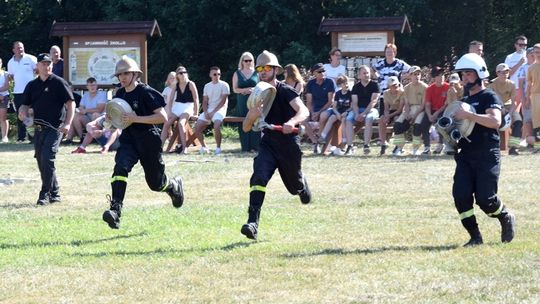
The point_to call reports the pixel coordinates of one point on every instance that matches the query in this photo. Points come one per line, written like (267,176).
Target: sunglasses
(217,74)
(181,73)
(522,44)
(320,71)
(265,68)
(248,60)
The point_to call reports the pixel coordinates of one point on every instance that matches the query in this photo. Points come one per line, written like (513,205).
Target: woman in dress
(244,80)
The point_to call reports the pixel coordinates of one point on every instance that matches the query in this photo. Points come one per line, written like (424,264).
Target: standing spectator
(185,105)
(476,47)
(413,112)
(58,62)
(389,66)
(525,102)
(478,160)
(506,90)
(340,107)
(51,101)
(243,81)
(214,108)
(294,78)
(91,107)
(319,98)
(517,58)
(394,101)
(21,68)
(365,94)
(278,150)
(139,141)
(435,105)
(533,95)
(334,69)
(5,81)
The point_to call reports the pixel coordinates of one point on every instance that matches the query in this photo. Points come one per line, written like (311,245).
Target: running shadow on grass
(74,243)
(366,251)
(164,251)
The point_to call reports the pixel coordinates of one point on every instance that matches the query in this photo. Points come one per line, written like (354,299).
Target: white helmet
(472,61)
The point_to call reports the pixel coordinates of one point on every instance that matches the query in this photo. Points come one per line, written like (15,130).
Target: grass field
(380,230)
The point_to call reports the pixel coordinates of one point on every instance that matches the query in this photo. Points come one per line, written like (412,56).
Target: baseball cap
(530,50)
(414,69)
(436,71)
(316,67)
(392,80)
(502,67)
(43,57)
(453,78)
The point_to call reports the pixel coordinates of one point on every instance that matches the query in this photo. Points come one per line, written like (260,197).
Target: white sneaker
(5,140)
(204,150)
(523,143)
(397,152)
(218,151)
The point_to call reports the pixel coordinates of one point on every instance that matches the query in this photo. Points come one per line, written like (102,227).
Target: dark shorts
(4,102)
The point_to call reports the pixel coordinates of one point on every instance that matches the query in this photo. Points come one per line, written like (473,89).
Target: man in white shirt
(21,68)
(214,106)
(517,58)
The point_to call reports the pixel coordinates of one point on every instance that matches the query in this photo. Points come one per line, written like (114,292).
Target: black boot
(176,192)
(305,194)
(476,238)
(112,216)
(43,199)
(508,225)
(251,228)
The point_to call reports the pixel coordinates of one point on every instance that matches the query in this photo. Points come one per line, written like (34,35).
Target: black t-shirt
(364,92)
(482,137)
(281,110)
(47,99)
(143,100)
(343,101)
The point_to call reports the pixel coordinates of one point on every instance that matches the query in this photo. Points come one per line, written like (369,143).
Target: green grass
(380,230)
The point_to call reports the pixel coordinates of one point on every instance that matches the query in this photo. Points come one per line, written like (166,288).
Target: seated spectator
(413,112)
(170,83)
(364,98)
(181,108)
(319,97)
(435,105)
(340,108)
(214,108)
(103,132)
(91,107)
(294,78)
(334,69)
(455,90)
(394,101)
(506,90)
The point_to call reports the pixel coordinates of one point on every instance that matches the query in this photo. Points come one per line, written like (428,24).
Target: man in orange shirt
(435,105)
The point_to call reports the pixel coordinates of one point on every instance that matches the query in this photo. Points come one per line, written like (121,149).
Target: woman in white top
(4,103)
(334,69)
(169,85)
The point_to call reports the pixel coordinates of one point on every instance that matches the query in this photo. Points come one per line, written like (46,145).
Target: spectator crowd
(389,104)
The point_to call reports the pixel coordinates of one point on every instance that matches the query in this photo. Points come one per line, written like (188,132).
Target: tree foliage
(203,33)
